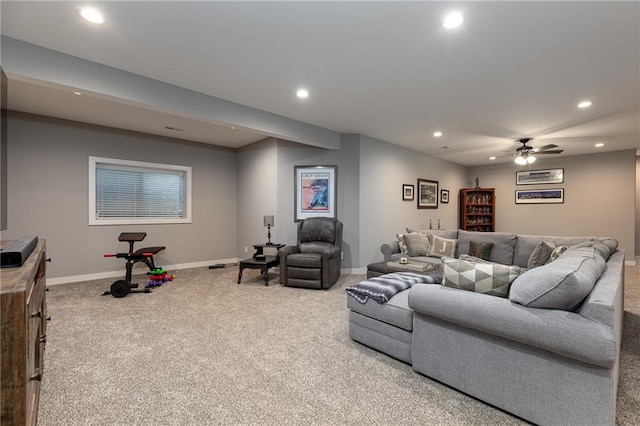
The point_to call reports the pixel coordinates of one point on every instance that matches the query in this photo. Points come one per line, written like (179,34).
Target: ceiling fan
(524,154)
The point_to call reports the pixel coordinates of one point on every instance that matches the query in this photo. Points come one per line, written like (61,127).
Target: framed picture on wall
(535,177)
(427,194)
(444,196)
(540,196)
(407,192)
(315,191)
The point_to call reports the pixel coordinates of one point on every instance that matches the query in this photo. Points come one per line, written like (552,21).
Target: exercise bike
(121,288)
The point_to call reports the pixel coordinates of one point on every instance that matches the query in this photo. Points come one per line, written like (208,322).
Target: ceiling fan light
(520,161)
(452,20)
(531,159)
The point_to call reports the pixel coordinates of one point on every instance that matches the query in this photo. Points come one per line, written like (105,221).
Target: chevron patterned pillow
(488,278)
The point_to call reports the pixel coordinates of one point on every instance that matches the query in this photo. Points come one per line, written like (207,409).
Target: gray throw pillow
(401,243)
(481,250)
(556,253)
(562,284)
(417,244)
(488,278)
(442,247)
(605,247)
(540,254)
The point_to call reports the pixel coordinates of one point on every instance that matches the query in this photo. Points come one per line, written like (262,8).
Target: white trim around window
(124,192)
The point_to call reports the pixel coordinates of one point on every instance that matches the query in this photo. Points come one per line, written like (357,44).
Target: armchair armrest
(388,249)
(282,254)
(331,252)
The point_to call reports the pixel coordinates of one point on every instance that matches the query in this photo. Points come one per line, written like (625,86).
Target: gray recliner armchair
(315,261)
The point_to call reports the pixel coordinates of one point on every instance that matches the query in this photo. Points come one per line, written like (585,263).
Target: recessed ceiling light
(77,93)
(437,134)
(302,93)
(585,104)
(452,20)
(92,15)
(599,145)
(492,158)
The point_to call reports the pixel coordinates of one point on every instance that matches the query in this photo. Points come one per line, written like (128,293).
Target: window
(133,192)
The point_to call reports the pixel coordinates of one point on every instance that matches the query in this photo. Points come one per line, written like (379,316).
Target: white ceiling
(384,69)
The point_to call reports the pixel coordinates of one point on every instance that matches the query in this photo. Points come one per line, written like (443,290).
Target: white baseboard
(121,272)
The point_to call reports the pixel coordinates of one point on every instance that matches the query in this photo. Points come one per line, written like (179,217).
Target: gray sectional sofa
(548,352)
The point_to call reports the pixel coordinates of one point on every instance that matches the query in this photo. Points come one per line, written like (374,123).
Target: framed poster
(407,192)
(540,196)
(427,194)
(315,191)
(444,196)
(535,177)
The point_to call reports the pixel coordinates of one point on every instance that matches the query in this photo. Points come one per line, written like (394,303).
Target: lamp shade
(520,160)
(269,221)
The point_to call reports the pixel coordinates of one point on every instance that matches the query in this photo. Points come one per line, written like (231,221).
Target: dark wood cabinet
(478,209)
(23,338)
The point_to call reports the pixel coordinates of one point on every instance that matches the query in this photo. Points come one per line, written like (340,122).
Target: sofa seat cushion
(305,260)
(317,247)
(561,284)
(395,312)
(503,244)
(567,334)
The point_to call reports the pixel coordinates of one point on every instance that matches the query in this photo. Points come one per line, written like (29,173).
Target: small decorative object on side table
(261,261)
(269,221)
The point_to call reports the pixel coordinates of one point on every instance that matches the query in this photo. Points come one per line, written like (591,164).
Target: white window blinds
(135,192)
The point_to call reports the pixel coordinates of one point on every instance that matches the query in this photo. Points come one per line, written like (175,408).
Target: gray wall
(233,190)
(599,198)
(3,151)
(257,194)
(637,233)
(383,169)
(346,159)
(48,194)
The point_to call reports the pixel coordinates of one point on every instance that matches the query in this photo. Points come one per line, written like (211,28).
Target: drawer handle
(37,314)
(48,318)
(37,376)
(43,338)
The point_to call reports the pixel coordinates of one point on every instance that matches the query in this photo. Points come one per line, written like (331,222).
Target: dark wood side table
(261,261)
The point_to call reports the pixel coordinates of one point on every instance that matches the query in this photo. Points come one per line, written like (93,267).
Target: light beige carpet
(203,350)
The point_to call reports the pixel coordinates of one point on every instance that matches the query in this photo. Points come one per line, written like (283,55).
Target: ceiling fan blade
(553,151)
(544,148)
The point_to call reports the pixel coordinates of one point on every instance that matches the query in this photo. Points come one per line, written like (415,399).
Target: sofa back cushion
(561,284)
(503,244)
(451,234)
(525,245)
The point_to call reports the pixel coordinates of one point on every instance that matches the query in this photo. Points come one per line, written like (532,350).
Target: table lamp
(269,222)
